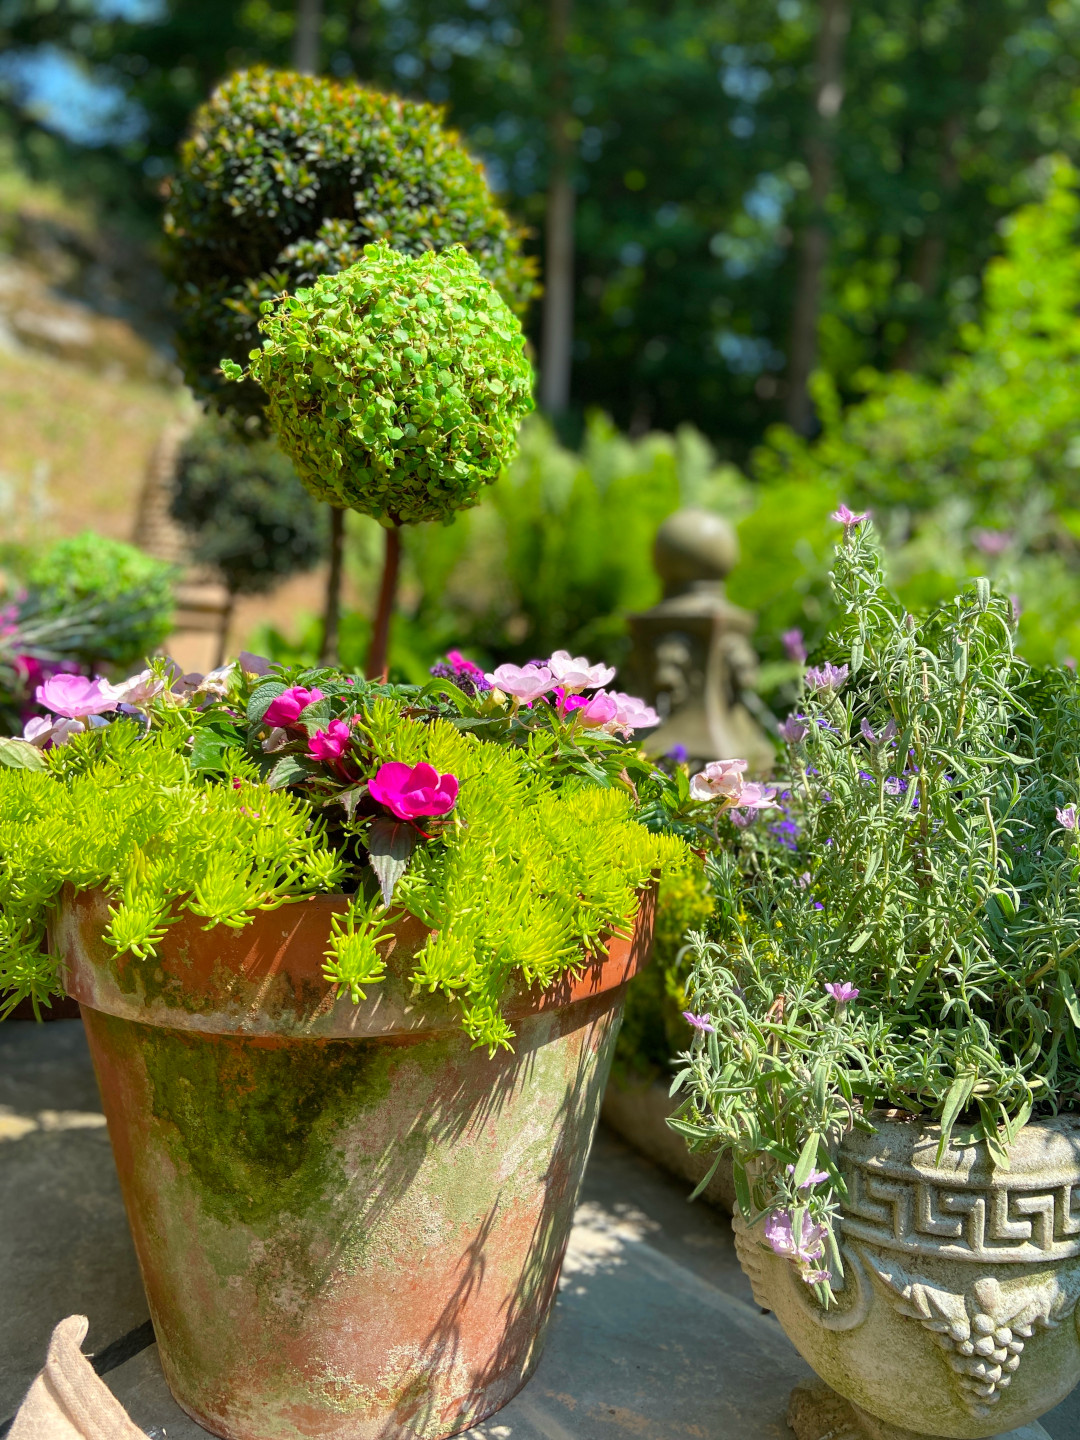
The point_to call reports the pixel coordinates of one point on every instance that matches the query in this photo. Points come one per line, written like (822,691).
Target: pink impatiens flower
(409,791)
(331,743)
(599,709)
(284,710)
(573,672)
(720,780)
(806,1247)
(523,682)
(75,697)
(139,689)
(632,714)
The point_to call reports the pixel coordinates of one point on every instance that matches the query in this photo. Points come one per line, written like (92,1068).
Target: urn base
(816,1412)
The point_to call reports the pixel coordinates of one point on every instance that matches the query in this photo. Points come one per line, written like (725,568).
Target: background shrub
(287,177)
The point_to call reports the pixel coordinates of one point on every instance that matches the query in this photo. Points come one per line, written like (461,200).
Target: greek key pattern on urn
(1004,1221)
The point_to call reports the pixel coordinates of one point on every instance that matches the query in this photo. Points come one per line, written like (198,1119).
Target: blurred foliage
(690,121)
(653,1030)
(975,473)
(244,509)
(285,178)
(126,595)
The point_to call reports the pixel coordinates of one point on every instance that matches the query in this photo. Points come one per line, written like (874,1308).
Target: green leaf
(260,699)
(18,754)
(208,749)
(703,1183)
(289,770)
(859,941)
(805,1163)
(1068,994)
(742,1190)
(960,1092)
(390,845)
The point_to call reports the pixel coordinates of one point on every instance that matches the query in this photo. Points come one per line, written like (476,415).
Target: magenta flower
(814,1178)
(808,1246)
(599,709)
(794,729)
(699,1022)
(887,734)
(794,646)
(574,672)
(331,743)
(284,710)
(847,517)
(409,791)
(827,679)
(523,682)
(992,542)
(1068,818)
(842,991)
(76,697)
(720,780)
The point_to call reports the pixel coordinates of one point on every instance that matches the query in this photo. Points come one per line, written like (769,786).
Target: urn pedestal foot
(816,1412)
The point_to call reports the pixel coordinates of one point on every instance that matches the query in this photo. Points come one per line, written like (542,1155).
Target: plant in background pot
(351,960)
(887,1019)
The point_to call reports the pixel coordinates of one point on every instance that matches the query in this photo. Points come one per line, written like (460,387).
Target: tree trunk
(557,334)
(814,249)
(224,628)
(378,662)
(332,613)
(305,55)
(930,255)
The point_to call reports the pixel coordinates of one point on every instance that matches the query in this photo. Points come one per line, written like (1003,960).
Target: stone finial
(691,547)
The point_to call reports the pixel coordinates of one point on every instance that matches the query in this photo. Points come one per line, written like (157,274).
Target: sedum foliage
(935,866)
(396,387)
(543,856)
(288,177)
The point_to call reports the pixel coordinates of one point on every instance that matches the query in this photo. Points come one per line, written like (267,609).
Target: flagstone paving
(655,1334)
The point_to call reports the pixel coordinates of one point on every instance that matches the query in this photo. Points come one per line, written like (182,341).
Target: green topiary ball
(287,177)
(395,387)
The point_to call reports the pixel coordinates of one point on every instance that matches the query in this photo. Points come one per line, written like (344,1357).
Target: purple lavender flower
(794,729)
(1016,608)
(814,1178)
(794,646)
(678,755)
(827,679)
(807,1246)
(842,991)
(815,1277)
(467,676)
(887,734)
(699,1022)
(1068,818)
(847,517)
(787,832)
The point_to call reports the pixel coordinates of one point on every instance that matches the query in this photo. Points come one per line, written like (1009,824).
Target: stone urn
(957,1314)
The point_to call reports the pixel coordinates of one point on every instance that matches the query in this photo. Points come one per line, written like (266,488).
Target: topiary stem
(380,635)
(329,653)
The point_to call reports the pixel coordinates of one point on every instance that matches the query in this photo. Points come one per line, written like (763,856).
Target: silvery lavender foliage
(934,873)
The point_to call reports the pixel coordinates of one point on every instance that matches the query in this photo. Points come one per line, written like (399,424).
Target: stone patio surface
(655,1333)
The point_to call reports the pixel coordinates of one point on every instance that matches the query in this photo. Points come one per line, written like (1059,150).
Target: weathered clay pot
(958,1314)
(350,1224)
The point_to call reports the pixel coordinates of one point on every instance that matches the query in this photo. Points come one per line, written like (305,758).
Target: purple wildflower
(794,646)
(843,516)
(808,1246)
(842,991)
(814,1178)
(794,729)
(1016,608)
(816,1277)
(992,542)
(787,832)
(699,1022)
(827,678)
(1068,818)
(678,755)
(464,673)
(887,734)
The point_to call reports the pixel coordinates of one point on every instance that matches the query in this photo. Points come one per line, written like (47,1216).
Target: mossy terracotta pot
(350,1223)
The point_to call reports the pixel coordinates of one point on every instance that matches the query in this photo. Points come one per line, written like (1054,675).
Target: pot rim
(266,978)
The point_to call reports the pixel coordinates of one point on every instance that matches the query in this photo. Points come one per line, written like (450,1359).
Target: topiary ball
(397,386)
(287,177)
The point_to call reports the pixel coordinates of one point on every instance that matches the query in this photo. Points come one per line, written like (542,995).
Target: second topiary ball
(396,386)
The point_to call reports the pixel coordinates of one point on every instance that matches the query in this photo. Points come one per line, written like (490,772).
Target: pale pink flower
(75,697)
(1068,818)
(720,780)
(574,672)
(43,730)
(814,1178)
(632,713)
(808,1246)
(794,729)
(992,542)
(600,709)
(699,1022)
(523,682)
(755,796)
(139,690)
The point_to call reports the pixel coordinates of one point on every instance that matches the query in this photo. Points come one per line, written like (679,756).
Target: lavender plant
(908,934)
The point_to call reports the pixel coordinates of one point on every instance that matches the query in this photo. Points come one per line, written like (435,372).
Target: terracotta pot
(958,1313)
(350,1224)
